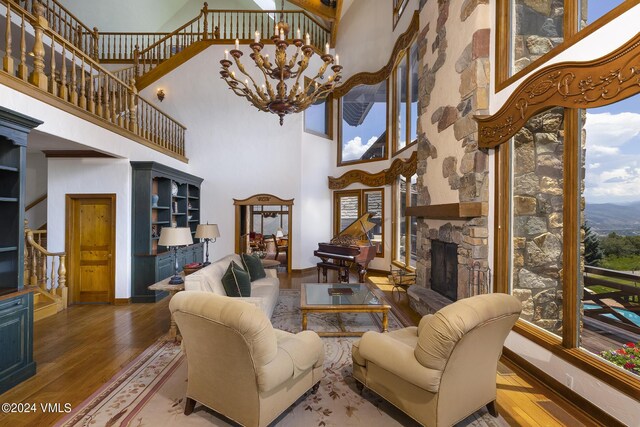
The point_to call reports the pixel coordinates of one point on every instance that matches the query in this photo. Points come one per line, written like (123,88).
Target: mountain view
(605,218)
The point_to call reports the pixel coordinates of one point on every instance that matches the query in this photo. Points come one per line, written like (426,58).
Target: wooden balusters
(7,60)
(53,88)
(51,281)
(38,76)
(133,120)
(23,70)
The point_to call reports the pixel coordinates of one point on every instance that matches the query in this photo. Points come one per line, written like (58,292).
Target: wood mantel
(462,210)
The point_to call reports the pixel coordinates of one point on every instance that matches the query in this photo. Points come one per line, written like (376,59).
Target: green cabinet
(162,197)
(16,303)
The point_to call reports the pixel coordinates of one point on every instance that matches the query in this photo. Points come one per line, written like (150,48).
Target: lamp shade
(175,236)
(279,232)
(207,231)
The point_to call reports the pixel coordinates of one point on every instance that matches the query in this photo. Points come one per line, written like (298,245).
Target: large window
(528,31)
(405,193)
(405,100)
(363,124)
(572,223)
(349,205)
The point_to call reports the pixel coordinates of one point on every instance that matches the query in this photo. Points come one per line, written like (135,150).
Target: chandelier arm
(246,92)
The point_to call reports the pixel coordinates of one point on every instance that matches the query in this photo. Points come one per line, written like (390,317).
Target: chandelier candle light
(280,100)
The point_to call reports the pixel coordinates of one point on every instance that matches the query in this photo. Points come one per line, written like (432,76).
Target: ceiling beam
(317,8)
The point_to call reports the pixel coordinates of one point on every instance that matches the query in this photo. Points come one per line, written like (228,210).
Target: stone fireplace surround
(466,226)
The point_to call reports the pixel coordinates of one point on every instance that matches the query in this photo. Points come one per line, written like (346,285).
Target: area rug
(150,391)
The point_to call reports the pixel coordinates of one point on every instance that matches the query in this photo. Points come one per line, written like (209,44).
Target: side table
(164,285)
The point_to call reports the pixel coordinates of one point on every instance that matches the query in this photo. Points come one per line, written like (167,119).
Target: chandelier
(276,97)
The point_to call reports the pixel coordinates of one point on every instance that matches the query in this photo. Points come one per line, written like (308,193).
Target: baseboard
(534,374)
(122,301)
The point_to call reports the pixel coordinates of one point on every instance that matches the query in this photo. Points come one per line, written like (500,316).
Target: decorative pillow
(236,281)
(253,265)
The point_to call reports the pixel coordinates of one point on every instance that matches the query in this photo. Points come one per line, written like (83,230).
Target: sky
(360,138)
(612,163)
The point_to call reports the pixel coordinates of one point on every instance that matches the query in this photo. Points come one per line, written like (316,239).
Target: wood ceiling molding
(587,84)
(404,167)
(367,78)
(317,8)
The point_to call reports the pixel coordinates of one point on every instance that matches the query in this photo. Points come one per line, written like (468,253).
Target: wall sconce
(160,94)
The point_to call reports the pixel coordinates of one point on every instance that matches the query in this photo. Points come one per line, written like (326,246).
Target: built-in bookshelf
(16,299)
(162,197)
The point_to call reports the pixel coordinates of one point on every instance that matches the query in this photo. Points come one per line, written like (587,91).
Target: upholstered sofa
(238,364)
(264,292)
(445,369)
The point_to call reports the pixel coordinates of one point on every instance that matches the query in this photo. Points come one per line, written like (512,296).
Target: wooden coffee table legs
(343,332)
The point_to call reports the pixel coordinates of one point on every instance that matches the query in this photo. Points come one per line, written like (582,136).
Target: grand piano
(350,247)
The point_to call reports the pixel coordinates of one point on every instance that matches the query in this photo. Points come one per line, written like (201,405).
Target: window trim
(395,200)
(571,36)
(339,161)
(395,105)
(360,193)
(398,7)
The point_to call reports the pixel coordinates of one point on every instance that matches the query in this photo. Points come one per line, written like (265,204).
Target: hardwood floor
(78,350)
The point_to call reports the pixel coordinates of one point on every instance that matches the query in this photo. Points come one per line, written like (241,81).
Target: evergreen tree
(592,250)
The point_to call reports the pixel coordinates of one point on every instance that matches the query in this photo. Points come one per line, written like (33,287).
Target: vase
(154,200)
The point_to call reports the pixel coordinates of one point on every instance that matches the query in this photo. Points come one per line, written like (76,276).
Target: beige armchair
(238,365)
(445,369)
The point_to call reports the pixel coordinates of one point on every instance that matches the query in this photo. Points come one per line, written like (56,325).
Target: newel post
(37,76)
(205,12)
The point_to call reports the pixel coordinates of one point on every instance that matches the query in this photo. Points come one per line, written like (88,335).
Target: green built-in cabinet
(16,301)
(162,197)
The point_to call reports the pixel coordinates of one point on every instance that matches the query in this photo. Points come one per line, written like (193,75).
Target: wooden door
(91,231)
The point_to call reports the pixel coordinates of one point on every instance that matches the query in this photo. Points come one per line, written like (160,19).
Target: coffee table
(164,285)
(355,298)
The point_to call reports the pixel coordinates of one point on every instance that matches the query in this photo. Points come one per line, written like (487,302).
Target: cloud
(354,149)
(612,157)
(597,150)
(606,129)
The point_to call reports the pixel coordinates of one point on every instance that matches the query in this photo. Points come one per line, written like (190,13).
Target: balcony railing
(50,63)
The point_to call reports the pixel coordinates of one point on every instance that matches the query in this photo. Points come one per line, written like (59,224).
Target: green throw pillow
(236,281)
(253,265)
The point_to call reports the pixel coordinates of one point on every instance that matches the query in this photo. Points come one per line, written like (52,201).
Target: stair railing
(66,72)
(44,269)
(224,26)
(67,25)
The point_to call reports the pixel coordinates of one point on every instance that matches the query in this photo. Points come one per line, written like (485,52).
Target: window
(266,219)
(405,227)
(528,31)
(405,100)
(349,205)
(363,124)
(318,117)
(398,7)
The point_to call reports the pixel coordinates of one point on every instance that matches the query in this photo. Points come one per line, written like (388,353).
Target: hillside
(605,218)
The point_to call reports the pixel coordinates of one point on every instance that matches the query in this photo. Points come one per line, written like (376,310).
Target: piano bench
(324,266)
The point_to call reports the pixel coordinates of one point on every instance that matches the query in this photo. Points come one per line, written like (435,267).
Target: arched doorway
(267,215)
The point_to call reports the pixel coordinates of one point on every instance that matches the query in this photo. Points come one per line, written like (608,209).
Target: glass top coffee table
(340,298)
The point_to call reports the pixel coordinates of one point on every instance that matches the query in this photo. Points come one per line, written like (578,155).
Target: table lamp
(172,237)
(207,232)
(279,233)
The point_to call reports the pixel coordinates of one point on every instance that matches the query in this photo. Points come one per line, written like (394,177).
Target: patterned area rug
(150,391)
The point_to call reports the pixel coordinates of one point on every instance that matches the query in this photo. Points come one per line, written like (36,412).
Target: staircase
(155,54)
(47,271)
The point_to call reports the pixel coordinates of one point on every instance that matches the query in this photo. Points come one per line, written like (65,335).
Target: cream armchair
(445,369)
(238,365)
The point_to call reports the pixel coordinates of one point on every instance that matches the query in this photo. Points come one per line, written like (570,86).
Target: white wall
(608,399)
(36,186)
(93,176)
(240,151)
(366,36)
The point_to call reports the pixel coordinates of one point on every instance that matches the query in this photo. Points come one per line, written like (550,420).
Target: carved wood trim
(369,78)
(587,84)
(263,199)
(404,167)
